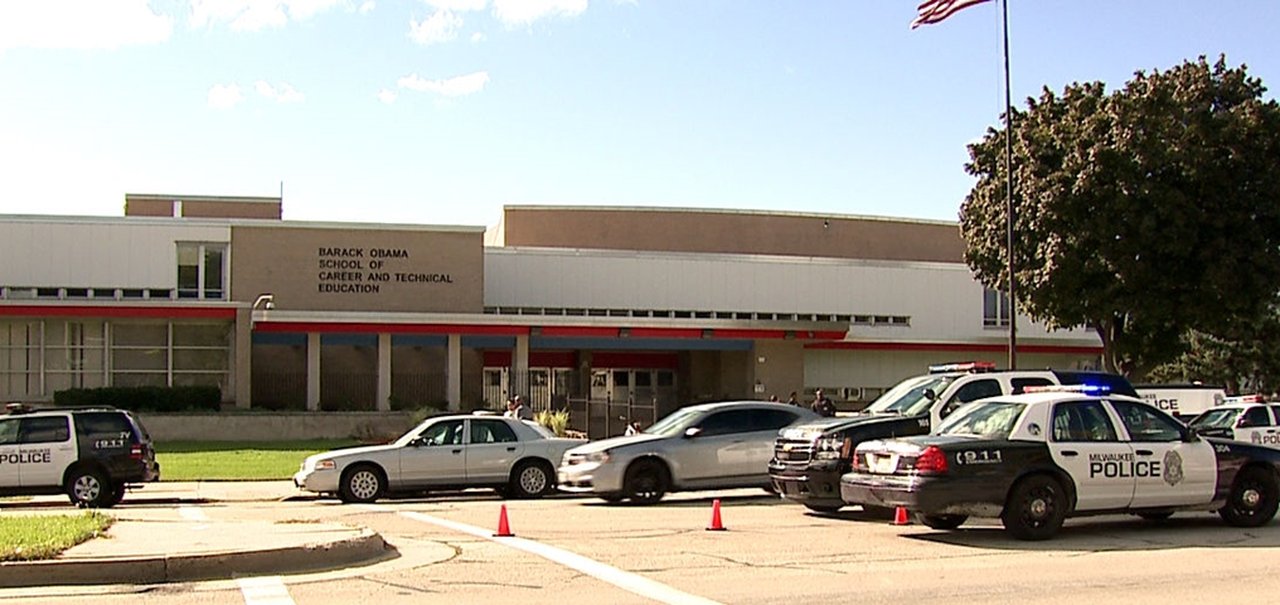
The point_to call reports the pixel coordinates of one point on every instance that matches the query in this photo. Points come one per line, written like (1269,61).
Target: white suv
(92,455)
(707,446)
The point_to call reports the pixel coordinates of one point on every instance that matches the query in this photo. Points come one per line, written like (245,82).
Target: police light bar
(968,366)
(1087,389)
(1254,398)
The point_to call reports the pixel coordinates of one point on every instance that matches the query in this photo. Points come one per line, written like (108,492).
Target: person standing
(792,399)
(521,411)
(822,405)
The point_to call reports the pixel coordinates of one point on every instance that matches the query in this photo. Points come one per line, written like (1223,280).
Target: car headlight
(828,448)
(598,457)
(325,465)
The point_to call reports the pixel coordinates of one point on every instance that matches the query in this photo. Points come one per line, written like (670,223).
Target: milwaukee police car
(809,458)
(1034,459)
(1248,418)
(92,455)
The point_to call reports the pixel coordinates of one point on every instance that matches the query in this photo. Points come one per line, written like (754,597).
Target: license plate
(882,464)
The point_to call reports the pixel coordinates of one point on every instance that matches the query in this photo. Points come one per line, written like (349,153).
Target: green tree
(1246,362)
(1142,213)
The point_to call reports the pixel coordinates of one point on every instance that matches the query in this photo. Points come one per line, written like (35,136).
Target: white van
(1185,401)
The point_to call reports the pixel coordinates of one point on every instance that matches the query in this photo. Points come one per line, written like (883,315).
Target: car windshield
(990,419)
(908,397)
(674,423)
(1215,419)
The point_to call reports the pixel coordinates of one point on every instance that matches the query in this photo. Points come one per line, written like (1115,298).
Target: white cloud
(254,15)
(81,24)
(387,96)
(440,27)
(478,37)
(367,7)
(282,94)
(513,13)
(459,6)
(452,87)
(225,96)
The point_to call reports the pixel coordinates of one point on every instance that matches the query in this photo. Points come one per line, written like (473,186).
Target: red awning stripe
(954,347)
(158,312)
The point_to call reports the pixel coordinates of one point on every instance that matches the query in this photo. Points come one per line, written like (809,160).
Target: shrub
(557,421)
(144,399)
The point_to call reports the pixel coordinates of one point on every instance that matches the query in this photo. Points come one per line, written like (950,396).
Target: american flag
(934,11)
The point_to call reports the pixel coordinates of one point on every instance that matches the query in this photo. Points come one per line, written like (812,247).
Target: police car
(810,458)
(1034,459)
(1248,418)
(91,455)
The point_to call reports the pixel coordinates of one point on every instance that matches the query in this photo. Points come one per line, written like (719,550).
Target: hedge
(144,399)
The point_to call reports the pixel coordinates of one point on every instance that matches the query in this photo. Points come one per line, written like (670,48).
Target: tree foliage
(1142,213)
(1247,362)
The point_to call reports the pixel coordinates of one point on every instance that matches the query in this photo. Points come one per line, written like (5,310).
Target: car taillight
(931,461)
(860,463)
(135,452)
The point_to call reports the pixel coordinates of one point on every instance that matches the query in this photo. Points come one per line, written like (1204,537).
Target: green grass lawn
(236,460)
(32,537)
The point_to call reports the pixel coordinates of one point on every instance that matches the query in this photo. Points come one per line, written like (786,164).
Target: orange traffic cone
(504,530)
(716,525)
(900,516)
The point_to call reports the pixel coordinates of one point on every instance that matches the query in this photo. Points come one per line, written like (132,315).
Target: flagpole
(1008,169)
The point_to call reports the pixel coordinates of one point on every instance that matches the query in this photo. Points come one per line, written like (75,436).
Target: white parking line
(192,513)
(269,590)
(625,580)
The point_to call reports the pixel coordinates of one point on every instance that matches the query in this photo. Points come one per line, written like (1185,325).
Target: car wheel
(1036,508)
(941,521)
(117,494)
(530,479)
(823,508)
(362,483)
(88,488)
(646,482)
(1253,498)
(1157,516)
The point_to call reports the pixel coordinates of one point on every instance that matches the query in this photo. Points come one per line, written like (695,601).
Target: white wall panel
(84,253)
(943,300)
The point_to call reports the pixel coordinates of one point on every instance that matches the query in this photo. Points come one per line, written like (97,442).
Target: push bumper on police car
(813,485)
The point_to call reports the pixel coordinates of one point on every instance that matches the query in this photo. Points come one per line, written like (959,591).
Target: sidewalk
(154,551)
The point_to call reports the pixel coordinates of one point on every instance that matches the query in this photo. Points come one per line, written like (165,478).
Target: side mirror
(692,432)
(1191,436)
(930,395)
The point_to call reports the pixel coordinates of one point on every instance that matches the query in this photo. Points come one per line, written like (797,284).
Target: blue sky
(442,111)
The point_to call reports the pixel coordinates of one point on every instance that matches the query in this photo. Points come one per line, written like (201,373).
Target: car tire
(531,479)
(88,487)
(117,494)
(646,482)
(1156,516)
(826,509)
(941,521)
(1036,508)
(1253,498)
(361,484)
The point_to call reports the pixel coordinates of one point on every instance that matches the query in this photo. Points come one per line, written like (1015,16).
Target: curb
(366,548)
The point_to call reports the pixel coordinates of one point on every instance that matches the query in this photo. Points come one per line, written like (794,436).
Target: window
(1254,417)
(1144,423)
(1082,421)
(9,431)
(995,308)
(443,433)
(491,431)
(991,419)
(973,391)
(727,423)
(103,423)
(771,420)
(202,271)
(45,429)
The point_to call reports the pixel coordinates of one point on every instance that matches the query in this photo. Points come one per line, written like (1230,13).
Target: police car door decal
(1083,442)
(46,449)
(1168,471)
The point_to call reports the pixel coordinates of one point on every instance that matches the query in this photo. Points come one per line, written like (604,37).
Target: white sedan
(444,452)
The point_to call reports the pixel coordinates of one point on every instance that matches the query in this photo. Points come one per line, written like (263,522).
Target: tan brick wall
(353,269)
(214,209)
(733,232)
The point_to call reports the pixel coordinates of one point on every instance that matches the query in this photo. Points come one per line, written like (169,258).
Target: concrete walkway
(154,551)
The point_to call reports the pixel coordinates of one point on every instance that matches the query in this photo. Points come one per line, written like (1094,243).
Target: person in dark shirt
(822,405)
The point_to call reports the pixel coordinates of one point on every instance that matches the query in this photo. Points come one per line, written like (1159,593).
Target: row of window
(863,320)
(201,274)
(40,357)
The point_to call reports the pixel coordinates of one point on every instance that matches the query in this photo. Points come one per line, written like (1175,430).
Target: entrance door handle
(458,451)
(511,449)
(1070,453)
(1143,452)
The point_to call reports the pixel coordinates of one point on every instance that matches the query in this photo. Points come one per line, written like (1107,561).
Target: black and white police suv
(809,458)
(1034,459)
(1246,418)
(92,455)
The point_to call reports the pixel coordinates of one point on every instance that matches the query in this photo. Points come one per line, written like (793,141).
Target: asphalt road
(574,550)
